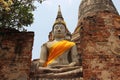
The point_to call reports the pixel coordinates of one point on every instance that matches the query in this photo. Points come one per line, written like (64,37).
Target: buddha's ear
(53,36)
(66,32)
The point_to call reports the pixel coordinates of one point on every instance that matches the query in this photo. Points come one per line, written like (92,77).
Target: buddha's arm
(43,54)
(74,56)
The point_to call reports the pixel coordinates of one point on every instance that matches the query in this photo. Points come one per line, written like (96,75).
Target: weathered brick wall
(15,55)
(88,6)
(100,46)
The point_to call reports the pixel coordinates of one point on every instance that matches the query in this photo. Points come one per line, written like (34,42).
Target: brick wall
(100,46)
(15,55)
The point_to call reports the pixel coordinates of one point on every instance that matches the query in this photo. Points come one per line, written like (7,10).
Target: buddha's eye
(56,27)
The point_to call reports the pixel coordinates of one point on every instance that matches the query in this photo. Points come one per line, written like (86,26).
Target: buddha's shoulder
(48,44)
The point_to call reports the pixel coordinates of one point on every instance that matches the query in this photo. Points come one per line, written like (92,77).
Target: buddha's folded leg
(70,73)
(56,70)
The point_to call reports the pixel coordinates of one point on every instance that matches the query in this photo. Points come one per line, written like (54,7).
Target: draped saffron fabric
(58,49)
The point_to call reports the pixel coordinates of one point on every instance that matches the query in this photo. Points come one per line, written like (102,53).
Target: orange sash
(58,49)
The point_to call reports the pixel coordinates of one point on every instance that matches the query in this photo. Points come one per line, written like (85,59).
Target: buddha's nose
(59,30)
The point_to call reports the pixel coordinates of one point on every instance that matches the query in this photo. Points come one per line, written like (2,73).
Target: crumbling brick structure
(15,54)
(98,38)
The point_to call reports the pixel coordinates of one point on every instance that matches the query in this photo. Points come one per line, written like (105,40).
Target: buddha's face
(59,31)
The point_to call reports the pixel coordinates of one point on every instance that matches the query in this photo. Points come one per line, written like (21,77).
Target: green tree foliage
(19,15)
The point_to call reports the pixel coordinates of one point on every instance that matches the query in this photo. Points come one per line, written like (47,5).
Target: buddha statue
(56,52)
(59,56)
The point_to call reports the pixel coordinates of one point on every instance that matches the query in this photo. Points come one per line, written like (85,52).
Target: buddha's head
(59,29)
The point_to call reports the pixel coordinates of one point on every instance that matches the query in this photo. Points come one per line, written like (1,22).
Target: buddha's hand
(72,64)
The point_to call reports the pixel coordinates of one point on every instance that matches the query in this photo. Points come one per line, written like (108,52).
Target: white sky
(45,15)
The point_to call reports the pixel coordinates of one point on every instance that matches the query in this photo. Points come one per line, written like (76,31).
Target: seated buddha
(59,56)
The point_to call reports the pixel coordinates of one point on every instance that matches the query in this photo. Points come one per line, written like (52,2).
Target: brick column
(100,46)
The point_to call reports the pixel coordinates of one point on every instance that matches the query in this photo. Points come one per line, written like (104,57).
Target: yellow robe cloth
(58,49)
